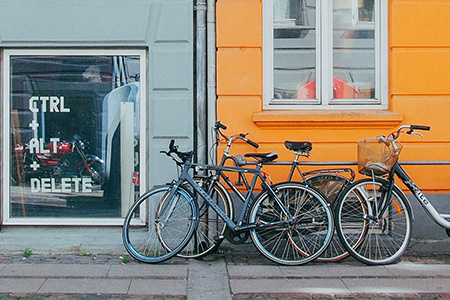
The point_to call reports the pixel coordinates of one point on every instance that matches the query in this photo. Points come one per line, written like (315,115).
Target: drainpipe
(201,99)
(211,70)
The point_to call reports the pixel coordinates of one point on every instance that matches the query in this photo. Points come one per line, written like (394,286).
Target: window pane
(72,120)
(353,49)
(294,49)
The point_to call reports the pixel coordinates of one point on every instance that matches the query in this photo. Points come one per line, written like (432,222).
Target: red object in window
(136,179)
(341,90)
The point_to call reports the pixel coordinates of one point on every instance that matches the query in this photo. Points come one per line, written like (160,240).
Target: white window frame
(5,78)
(324,63)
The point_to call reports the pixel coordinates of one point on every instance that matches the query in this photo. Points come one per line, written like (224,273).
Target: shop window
(325,54)
(73,119)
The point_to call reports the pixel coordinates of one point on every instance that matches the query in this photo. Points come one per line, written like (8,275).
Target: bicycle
(373,216)
(290,225)
(212,231)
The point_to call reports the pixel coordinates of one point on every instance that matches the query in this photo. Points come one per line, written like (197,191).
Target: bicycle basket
(377,155)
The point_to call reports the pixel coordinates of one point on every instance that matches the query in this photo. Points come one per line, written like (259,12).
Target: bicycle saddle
(263,157)
(298,146)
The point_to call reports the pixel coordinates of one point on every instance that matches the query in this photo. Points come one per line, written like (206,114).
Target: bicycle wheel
(210,229)
(297,242)
(369,239)
(157,227)
(331,185)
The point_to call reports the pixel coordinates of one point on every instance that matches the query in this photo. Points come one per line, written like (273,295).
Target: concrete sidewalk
(91,263)
(226,275)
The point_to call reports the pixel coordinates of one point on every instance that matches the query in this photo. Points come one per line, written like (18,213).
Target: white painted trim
(324,58)
(7,53)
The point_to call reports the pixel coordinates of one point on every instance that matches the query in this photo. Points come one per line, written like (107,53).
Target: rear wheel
(331,185)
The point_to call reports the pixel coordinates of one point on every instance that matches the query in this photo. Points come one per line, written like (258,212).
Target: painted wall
(419,92)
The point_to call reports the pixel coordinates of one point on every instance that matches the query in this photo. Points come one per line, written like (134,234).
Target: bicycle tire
(331,185)
(298,242)
(148,223)
(370,241)
(210,229)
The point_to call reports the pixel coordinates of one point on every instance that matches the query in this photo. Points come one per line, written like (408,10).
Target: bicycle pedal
(218,237)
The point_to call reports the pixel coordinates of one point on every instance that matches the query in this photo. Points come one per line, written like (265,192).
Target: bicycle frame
(241,224)
(442,220)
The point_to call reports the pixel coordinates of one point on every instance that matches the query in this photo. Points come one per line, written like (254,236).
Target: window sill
(326,119)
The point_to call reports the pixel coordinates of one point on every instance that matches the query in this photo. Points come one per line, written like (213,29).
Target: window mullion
(326,50)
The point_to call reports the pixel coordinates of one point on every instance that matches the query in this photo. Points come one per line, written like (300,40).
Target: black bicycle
(290,224)
(211,230)
(373,215)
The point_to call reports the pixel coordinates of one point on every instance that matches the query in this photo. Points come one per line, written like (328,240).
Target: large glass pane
(294,49)
(74,135)
(353,49)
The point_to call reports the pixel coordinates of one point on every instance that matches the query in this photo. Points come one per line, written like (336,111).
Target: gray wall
(163,28)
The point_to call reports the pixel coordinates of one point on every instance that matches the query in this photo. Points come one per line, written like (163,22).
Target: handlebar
(184,156)
(420,127)
(219,126)
(409,129)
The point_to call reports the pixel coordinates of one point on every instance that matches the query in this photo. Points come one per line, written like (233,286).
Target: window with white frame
(73,119)
(325,54)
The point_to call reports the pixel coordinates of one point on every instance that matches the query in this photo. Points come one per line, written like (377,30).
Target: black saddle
(298,146)
(263,157)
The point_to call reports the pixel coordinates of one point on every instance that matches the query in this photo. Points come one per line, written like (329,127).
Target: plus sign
(34,125)
(35,165)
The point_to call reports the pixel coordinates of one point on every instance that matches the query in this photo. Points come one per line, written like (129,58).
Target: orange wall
(419,92)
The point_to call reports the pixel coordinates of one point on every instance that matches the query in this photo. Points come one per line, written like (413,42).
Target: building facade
(335,73)
(91,91)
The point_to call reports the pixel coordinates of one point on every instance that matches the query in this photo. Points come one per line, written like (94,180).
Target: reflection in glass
(66,139)
(294,49)
(353,49)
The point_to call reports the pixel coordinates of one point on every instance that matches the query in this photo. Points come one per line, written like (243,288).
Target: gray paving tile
(208,280)
(2,266)
(249,271)
(335,270)
(20,285)
(413,269)
(85,286)
(55,270)
(319,286)
(398,285)
(147,271)
(158,287)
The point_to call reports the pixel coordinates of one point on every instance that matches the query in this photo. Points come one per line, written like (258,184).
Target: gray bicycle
(373,215)
(291,224)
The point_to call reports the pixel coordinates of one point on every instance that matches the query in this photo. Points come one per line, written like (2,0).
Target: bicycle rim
(331,185)
(156,228)
(373,242)
(210,229)
(300,241)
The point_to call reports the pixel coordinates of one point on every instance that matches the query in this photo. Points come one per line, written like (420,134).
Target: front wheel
(158,225)
(296,241)
(369,237)
(92,169)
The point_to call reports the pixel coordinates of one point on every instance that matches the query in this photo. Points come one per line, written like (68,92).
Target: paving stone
(85,286)
(52,270)
(322,286)
(158,287)
(20,285)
